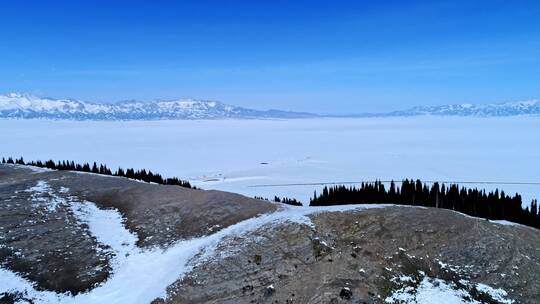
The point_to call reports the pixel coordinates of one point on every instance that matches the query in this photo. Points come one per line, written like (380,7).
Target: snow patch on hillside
(497,294)
(434,290)
(506,223)
(107,226)
(430,291)
(13,283)
(42,196)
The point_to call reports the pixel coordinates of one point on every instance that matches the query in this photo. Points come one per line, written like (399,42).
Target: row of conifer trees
(142,175)
(495,205)
(284,200)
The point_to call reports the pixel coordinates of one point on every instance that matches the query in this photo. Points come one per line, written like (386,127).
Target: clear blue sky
(328,56)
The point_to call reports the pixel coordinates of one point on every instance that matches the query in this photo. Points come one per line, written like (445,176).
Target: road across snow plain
(235,155)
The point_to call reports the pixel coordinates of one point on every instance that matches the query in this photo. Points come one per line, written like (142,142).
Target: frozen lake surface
(236,155)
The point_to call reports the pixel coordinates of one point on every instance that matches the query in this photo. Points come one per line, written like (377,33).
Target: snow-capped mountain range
(530,107)
(17,105)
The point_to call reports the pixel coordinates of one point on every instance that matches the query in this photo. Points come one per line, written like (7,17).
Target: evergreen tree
(143,175)
(494,205)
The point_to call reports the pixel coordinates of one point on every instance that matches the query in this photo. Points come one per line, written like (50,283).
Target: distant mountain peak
(21,105)
(514,108)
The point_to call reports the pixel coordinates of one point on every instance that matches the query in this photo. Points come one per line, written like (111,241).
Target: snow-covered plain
(235,155)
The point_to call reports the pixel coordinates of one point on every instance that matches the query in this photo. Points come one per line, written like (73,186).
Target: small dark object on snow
(269,290)
(345,293)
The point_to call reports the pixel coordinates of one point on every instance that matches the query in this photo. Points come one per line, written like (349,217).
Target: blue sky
(328,56)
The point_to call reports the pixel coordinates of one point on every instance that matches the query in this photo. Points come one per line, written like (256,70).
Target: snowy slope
(16,105)
(141,275)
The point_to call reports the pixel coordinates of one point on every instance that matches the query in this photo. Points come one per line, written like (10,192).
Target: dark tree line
(493,205)
(142,175)
(284,200)
(288,201)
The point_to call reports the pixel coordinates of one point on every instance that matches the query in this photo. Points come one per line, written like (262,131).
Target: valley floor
(239,155)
